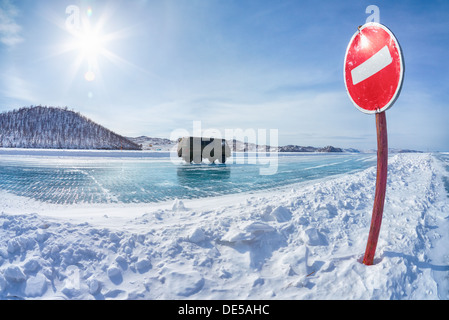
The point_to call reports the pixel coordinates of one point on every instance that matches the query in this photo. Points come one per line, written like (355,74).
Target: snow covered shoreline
(301,242)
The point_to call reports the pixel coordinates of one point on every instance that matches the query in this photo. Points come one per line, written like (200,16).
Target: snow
(305,241)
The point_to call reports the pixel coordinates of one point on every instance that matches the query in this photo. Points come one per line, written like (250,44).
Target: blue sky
(159,65)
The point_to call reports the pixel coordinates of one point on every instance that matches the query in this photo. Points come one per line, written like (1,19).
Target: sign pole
(381,186)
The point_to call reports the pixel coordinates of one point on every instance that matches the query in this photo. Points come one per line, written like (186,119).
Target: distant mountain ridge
(161,144)
(57,128)
(155,144)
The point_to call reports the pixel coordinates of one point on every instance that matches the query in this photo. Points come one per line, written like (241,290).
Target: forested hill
(56,128)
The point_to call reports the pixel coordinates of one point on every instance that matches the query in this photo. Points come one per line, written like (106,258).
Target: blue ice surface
(108,178)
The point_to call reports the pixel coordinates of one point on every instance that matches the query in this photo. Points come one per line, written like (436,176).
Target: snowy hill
(56,128)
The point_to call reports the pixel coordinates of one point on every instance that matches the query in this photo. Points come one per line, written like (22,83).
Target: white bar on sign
(372,66)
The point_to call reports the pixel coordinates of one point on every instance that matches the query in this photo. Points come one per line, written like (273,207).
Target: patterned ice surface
(70,180)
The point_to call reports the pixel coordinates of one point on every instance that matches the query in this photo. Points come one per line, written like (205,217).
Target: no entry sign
(373,69)
(373,74)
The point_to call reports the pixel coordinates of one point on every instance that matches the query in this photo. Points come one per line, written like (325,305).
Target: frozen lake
(65,178)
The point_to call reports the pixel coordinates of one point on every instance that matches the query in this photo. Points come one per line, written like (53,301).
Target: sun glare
(90,44)
(89,76)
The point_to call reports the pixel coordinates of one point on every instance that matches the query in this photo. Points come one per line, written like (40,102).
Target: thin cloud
(17,88)
(9,29)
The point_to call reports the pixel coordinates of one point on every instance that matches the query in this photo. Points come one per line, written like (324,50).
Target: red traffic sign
(373,69)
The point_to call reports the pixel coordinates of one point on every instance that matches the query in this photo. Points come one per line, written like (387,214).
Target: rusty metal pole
(381,186)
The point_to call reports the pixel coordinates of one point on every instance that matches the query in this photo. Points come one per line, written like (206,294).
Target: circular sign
(374,68)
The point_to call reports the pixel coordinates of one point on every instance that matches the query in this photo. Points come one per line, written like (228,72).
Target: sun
(88,43)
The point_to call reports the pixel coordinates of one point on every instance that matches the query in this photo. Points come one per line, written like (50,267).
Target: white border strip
(373,65)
